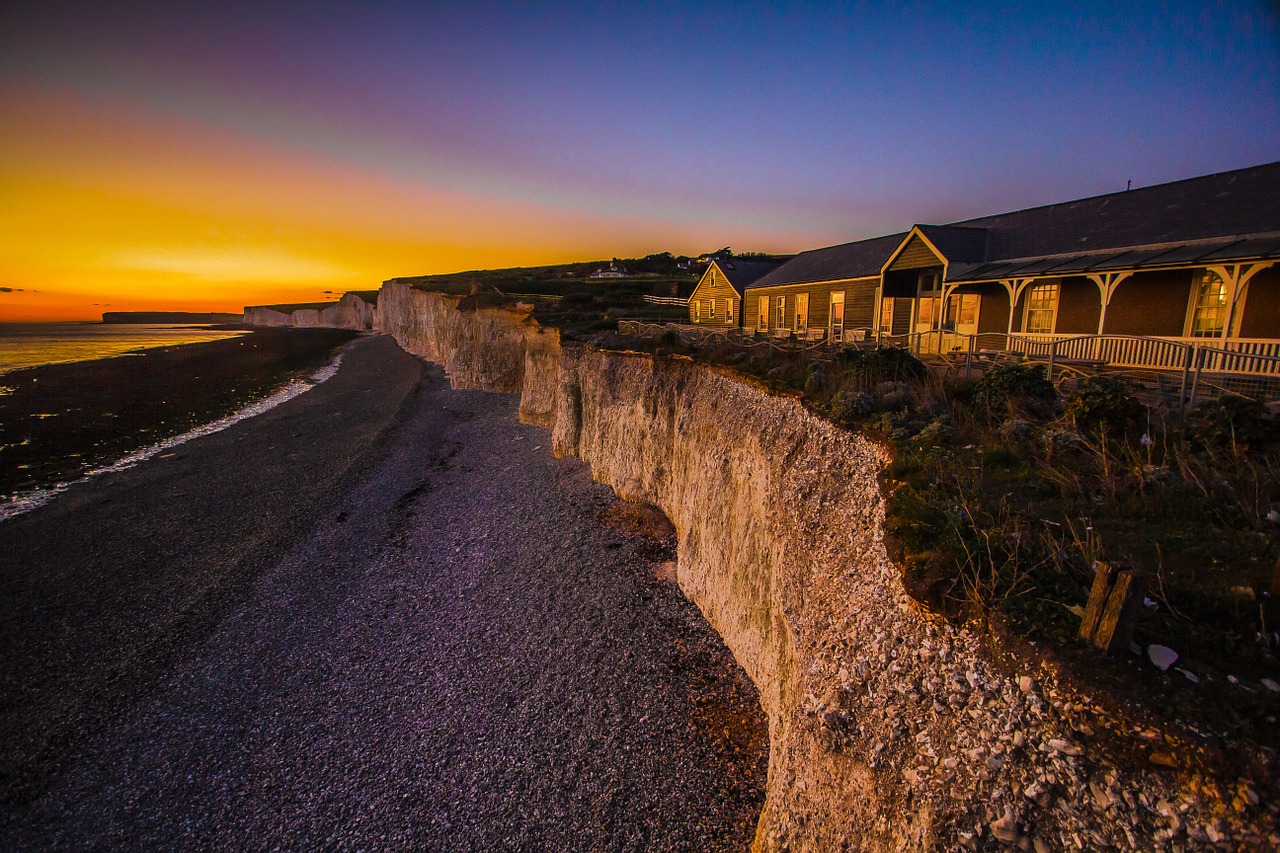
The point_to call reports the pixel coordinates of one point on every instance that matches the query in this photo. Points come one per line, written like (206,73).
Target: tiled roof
(1227,204)
(741,274)
(1225,216)
(848,260)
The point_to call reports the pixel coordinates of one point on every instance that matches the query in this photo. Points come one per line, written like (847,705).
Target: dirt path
(390,620)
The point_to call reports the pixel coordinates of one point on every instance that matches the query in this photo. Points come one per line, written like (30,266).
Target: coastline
(60,422)
(383,609)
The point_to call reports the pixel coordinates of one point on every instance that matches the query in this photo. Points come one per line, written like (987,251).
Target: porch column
(1107,283)
(1014,287)
(1236,277)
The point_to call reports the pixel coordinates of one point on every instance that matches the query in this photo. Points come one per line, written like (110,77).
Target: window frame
(796,326)
(1035,290)
(1199,289)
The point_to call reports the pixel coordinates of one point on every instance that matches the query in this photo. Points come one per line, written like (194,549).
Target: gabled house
(717,300)
(829,293)
(1194,261)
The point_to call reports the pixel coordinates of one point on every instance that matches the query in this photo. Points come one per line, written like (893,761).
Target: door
(835,329)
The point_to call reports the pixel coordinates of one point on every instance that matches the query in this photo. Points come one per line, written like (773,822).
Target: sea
(34,344)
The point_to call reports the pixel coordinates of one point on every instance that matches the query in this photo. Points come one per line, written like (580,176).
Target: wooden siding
(714,286)
(993,310)
(1079,305)
(1261,316)
(1151,303)
(916,255)
(859,303)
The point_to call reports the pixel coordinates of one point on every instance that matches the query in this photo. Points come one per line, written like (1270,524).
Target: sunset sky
(160,158)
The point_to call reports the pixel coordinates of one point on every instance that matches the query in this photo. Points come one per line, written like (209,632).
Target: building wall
(1151,303)
(1079,306)
(859,303)
(1261,317)
(916,255)
(714,286)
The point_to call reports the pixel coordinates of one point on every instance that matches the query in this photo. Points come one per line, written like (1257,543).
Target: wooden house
(1191,262)
(823,293)
(717,300)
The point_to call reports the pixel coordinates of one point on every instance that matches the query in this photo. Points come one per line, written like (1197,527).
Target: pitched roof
(848,260)
(1226,204)
(1220,217)
(741,274)
(957,243)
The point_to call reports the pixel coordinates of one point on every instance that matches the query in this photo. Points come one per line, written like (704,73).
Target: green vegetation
(1003,494)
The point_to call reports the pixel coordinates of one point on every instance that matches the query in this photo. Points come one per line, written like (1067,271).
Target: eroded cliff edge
(889,729)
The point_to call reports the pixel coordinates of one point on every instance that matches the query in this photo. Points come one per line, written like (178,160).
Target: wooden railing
(1239,355)
(665,300)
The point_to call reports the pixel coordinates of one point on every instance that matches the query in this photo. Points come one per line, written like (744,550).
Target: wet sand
(381,615)
(58,420)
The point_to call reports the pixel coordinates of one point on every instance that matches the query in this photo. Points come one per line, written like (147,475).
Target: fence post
(1053,352)
(1195,379)
(1186,374)
(968,360)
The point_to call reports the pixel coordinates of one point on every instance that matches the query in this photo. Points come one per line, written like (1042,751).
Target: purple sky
(776,126)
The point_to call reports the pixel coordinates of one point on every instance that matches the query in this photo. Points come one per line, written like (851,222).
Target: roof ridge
(1125,192)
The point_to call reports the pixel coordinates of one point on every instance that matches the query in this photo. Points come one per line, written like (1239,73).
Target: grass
(1002,496)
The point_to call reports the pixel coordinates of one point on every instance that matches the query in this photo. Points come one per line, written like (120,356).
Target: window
(1042,307)
(728,310)
(781,322)
(802,313)
(925,312)
(1208,306)
(697,310)
(837,316)
(962,312)
(886,315)
(762,321)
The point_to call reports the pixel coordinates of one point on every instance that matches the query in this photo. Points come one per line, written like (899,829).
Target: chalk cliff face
(349,312)
(889,729)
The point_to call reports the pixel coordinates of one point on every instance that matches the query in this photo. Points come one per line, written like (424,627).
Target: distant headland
(169,317)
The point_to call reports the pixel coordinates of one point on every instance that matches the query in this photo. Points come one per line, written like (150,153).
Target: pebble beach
(381,615)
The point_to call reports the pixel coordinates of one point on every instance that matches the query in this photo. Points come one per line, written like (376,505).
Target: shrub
(1103,404)
(850,406)
(870,367)
(1013,387)
(1235,423)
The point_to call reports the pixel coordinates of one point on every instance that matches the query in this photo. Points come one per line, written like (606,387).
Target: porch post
(1014,287)
(1107,283)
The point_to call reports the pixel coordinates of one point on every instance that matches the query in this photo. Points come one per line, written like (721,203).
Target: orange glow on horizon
(109,206)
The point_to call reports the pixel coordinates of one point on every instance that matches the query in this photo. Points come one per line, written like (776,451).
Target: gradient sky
(153,157)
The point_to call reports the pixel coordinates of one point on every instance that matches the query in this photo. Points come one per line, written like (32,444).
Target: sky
(154,157)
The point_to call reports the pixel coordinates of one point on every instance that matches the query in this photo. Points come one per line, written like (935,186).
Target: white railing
(1256,356)
(665,300)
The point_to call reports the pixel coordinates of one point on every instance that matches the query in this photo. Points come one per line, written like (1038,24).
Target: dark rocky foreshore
(378,616)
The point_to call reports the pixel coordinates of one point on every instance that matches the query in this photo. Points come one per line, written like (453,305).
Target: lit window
(762,321)
(886,315)
(1209,310)
(802,313)
(781,322)
(1042,306)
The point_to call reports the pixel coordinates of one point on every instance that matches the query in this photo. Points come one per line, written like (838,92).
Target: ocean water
(33,344)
